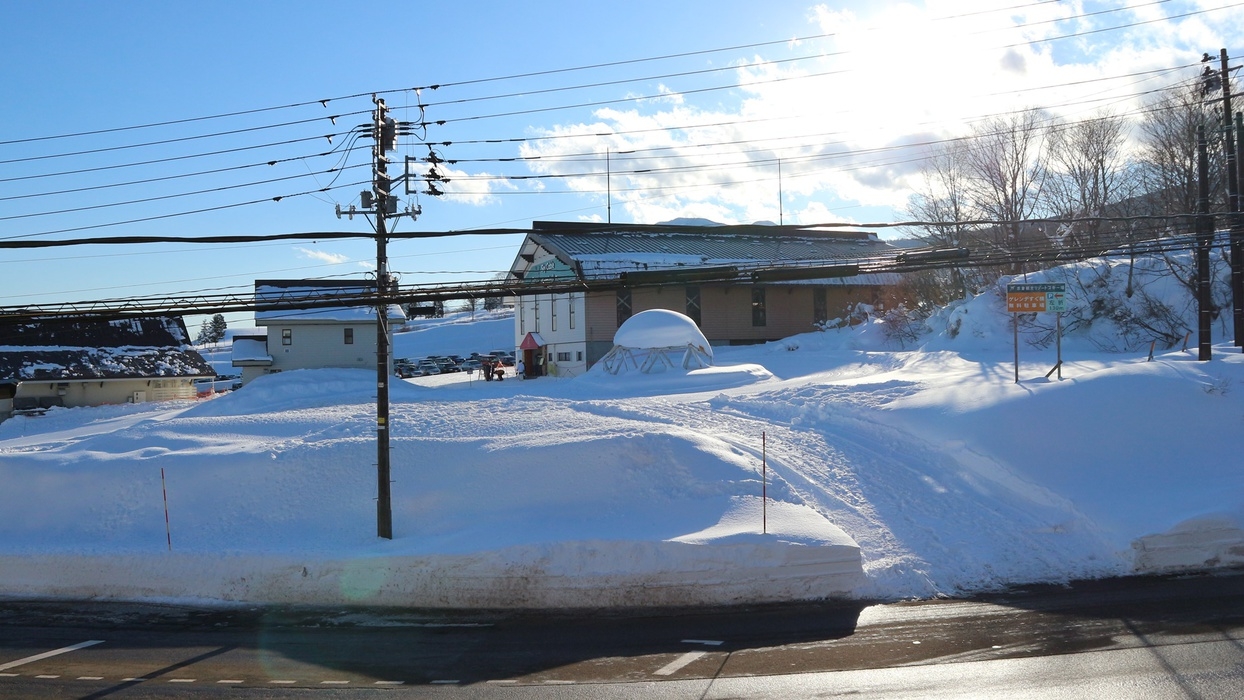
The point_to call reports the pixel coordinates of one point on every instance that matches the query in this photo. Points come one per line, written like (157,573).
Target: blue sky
(708,134)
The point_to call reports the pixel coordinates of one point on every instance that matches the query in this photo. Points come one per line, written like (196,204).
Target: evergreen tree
(212,331)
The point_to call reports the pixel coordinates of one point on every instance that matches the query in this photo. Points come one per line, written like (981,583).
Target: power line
(157,198)
(157,161)
(895,261)
(159,217)
(164,142)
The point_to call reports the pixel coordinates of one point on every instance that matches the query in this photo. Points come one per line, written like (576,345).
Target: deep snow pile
(948,474)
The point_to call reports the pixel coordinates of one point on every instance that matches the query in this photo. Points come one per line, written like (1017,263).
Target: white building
(326,323)
(781,288)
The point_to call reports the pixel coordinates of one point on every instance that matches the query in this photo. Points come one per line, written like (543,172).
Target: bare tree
(943,197)
(1168,153)
(942,202)
(1007,170)
(1089,175)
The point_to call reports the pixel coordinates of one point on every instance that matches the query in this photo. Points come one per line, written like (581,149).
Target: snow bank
(891,473)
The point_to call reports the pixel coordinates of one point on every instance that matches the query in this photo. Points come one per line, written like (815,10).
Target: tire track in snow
(914,508)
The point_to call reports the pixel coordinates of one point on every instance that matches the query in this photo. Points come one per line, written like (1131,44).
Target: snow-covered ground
(948,475)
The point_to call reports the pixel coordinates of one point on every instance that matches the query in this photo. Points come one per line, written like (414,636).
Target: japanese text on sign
(1036,298)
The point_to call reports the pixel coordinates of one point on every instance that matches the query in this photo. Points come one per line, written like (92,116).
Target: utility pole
(1233,206)
(1204,241)
(1237,229)
(380,201)
(385,132)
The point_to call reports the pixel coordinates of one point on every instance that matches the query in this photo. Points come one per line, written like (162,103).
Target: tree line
(1020,168)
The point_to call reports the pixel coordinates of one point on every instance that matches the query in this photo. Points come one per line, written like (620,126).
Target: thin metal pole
(781,220)
(168,532)
(1015,328)
(764,484)
(1059,321)
(608,190)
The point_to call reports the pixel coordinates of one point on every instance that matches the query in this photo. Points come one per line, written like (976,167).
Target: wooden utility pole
(1204,241)
(1233,206)
(385,132)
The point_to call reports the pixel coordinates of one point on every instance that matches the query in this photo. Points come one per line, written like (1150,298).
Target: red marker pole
(167,531)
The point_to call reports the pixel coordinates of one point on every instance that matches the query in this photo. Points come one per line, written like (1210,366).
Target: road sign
(1036,298)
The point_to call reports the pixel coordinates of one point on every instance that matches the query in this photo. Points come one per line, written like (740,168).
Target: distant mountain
(685,221)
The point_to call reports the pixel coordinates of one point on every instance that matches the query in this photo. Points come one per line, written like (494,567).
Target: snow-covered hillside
(947,474)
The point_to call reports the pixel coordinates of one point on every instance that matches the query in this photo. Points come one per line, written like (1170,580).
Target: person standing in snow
(521,369)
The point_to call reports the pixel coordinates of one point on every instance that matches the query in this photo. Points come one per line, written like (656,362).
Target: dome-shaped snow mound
(659,328)
(657,339)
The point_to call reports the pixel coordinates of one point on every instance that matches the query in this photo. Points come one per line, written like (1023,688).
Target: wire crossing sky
(151,119)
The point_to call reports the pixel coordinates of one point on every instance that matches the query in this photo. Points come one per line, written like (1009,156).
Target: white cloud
(848,122)
(322,255)
(475,188)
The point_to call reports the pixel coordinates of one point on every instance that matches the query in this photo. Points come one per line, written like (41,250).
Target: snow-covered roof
(251,349)
(60,350)
(592,250)
(660,328)
(357,295)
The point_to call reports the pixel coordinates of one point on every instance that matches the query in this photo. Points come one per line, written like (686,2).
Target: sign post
(1038,298)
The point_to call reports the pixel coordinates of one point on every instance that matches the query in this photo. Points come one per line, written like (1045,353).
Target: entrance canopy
(533,341)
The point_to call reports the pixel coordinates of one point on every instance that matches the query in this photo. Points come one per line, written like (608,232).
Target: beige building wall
(318,345)
(109,391)
(726,313)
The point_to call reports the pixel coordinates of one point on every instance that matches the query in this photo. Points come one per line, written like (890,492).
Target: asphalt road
(1152,638)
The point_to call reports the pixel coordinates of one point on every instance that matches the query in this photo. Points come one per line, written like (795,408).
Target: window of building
(624,306)
(349,336)
(820,307)
(570,308)
(535,308)
(563,357)
(578,356)
(758,306)
(553,313)
(522,316)
(287,336)
(693,304)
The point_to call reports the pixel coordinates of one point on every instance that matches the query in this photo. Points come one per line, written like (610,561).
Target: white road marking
(132,680)
(706,642)
(47,676)
(673,666)
(182,680)
(90,678)
(230,680)
(505,680)
(54,652)
(334,682)
(9,675)
(445,682)
(390,682)
(286,682)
